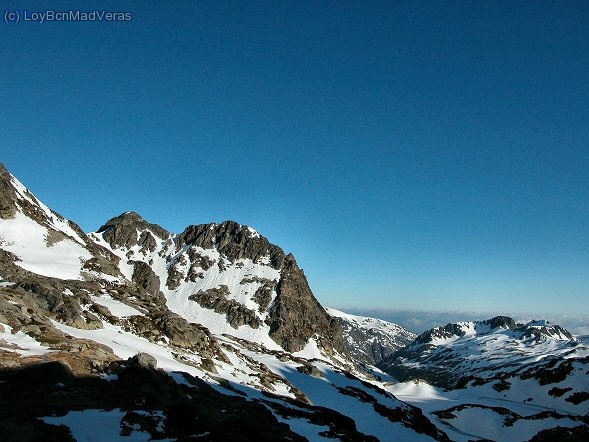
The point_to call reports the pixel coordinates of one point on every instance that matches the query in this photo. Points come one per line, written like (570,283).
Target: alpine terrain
(136,333)
(498,380)
(133,332)
(371,340)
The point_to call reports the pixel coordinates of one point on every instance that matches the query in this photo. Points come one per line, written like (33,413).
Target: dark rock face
(369,341)
(552,372)
(579,433)
(121,231)
(296,315)
(501,321)
(147,242)
(216,300)
(174,278)
(7,194)
(198,264)
(447,331)
(198,260)
(145,278)
(263,295)
(233,241)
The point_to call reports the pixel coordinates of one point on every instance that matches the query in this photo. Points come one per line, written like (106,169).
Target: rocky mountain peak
(448,331)
(500,322)
(544,329)
(233,240)
(129,229)
(227,276)
(371,340)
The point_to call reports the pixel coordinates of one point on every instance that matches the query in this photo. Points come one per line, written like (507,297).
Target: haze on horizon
(412,156)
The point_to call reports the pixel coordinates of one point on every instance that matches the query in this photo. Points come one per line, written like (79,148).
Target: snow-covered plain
(481,419)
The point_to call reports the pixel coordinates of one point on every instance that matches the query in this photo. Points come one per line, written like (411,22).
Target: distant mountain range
(371,340)
(521,377)
(214,334)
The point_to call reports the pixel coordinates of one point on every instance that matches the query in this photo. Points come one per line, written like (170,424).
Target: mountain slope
(523,377)
(227,277)
(213,333)
(481,349)
(371,340)
(41,241)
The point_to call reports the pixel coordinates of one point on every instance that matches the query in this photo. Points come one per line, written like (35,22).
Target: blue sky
(411,155)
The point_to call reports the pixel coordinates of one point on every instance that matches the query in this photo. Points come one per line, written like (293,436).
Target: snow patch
(21,343)
(97,426)
(117,308)
(28,241)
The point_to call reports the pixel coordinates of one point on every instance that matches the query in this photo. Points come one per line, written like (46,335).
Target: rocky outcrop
(296,316)
(145,277)
(122,231)
(146,401)
(174,278)
(371,340)
(216,299)
(169,327)
(233,241)
(446,332)
(48,300)
(500,322)
(263,295)
(7,194)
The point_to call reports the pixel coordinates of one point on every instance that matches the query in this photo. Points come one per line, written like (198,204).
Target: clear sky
(411,155)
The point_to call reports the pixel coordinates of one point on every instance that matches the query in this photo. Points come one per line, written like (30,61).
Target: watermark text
(75,15)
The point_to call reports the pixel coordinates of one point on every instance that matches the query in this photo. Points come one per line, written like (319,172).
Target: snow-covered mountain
(42,242)
(517,378)
(371,340)
(480,349)
(211,334)
(226,277)
(214,334)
